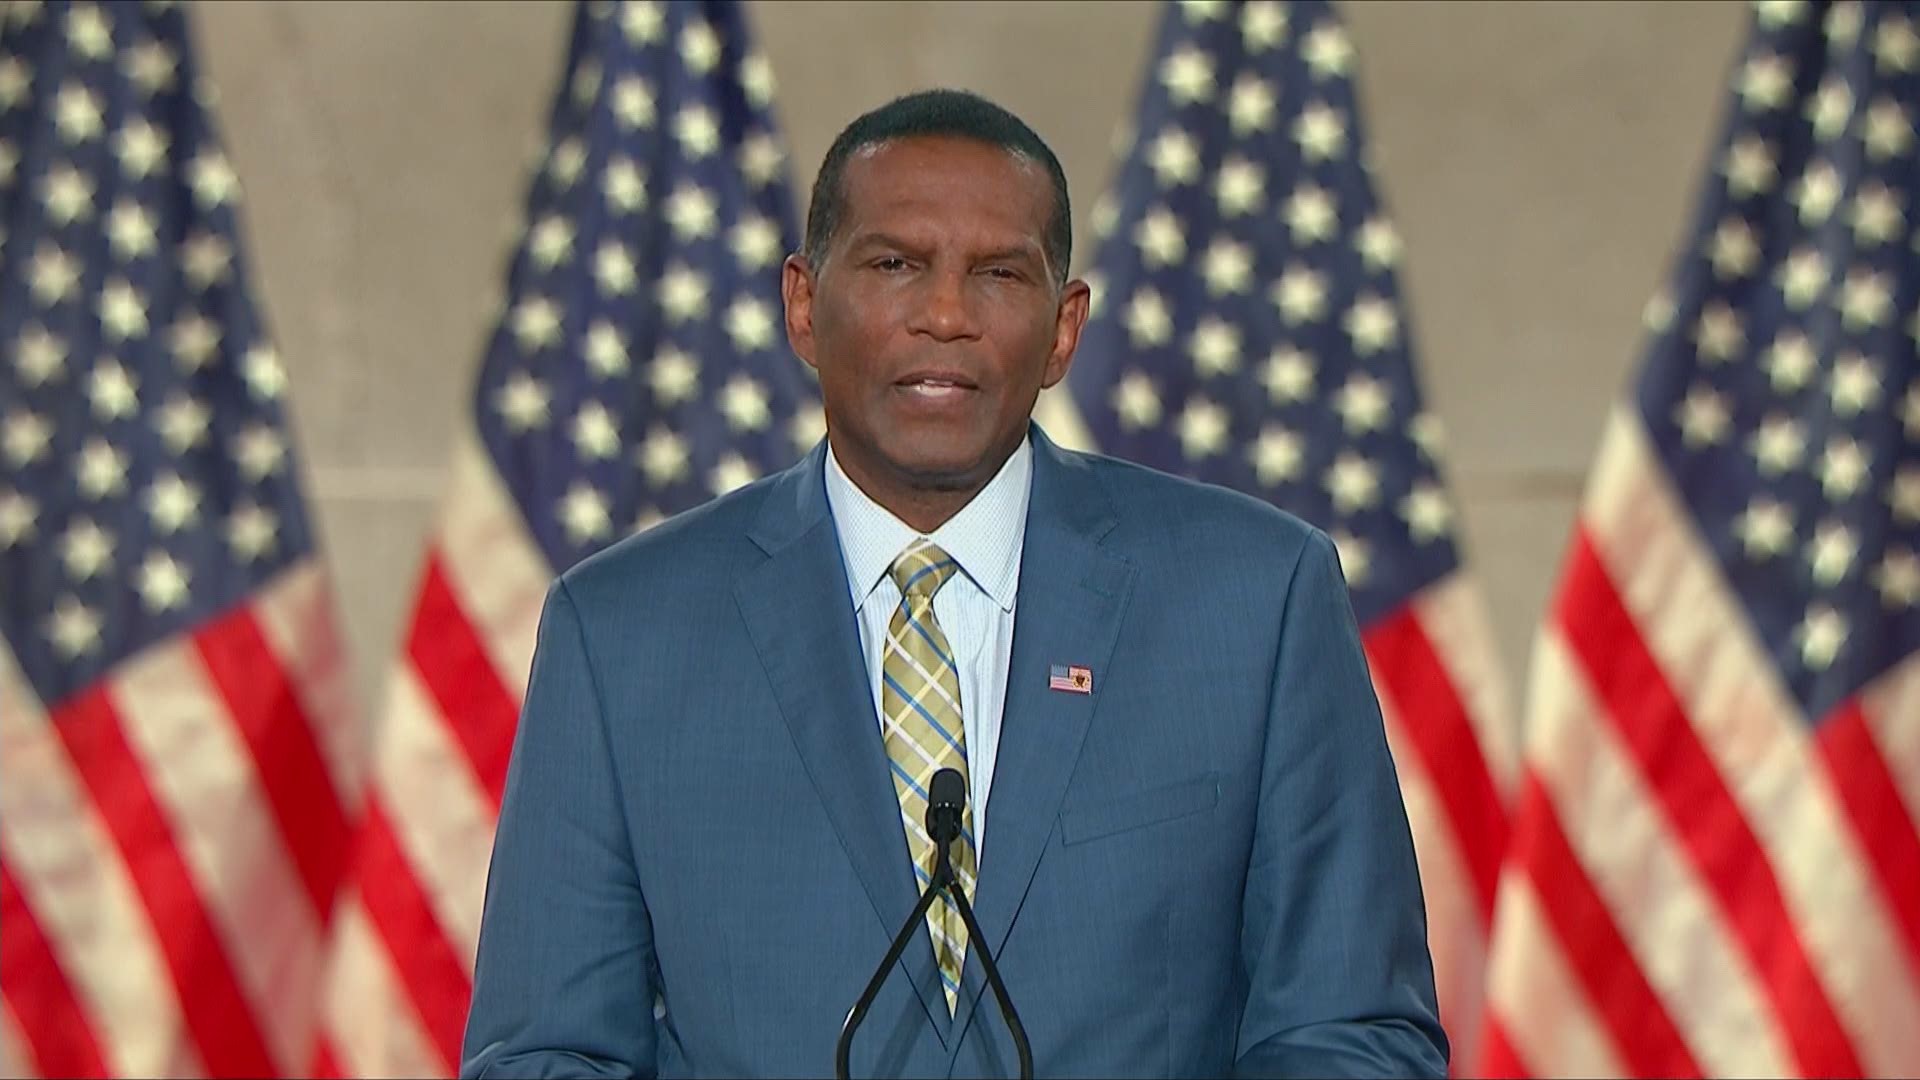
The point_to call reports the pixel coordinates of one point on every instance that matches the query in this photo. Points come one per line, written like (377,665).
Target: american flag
(1249,332)
(180,764)
(640,368)
(1715,867)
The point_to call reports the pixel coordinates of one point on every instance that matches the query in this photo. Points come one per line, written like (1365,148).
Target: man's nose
(945,311)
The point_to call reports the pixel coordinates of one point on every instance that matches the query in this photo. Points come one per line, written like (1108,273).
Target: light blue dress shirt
(974,608)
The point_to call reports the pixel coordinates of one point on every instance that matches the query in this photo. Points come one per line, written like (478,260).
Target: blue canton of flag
(642,367)
(1781,388)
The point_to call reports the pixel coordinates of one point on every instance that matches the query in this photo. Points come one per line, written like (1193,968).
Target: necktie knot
(921,570)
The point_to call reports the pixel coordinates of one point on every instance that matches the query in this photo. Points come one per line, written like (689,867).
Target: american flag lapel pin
(1071,678)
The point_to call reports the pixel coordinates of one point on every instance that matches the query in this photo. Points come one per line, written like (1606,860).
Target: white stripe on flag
(1545,1013)
(1663,910)
(492,565)
(371,1022)
(73,880)
(442,820)
(1757,738)
(1453,612)
(203,776)
(1892,706)
(295,614)
(13,1056)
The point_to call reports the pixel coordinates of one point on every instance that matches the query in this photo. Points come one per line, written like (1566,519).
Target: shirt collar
(985,537)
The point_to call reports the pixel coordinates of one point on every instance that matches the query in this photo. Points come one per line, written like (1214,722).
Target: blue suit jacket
(1203,867)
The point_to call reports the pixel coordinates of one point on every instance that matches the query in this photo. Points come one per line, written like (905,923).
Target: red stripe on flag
(1702,812)
(51,1018)
(294,775)
(215,1010)
(326,1064)
(1643,1034)
(1408,671)
(1498,1059)
(454,666)
(436,981)
(1884,822)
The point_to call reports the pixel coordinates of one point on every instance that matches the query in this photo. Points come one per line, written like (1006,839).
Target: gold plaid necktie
(920,694)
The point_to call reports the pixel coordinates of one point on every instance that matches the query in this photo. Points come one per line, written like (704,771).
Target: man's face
(934,321)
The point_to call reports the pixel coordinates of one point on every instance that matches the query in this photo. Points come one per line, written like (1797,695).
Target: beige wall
(1539,159)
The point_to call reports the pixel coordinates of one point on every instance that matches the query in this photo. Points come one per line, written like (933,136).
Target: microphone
(946,801)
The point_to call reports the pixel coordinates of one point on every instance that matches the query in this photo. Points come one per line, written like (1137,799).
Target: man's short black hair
(934,113)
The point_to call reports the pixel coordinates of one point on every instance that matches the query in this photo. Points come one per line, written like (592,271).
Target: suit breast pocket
(1105,817)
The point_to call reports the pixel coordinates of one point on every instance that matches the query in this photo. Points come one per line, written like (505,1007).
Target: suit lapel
(820,680)
(1072,595)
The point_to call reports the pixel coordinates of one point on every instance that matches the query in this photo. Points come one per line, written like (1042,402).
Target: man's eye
(890,264)
(1004,273)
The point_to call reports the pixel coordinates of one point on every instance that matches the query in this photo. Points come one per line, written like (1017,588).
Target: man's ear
(1075,301)
(796,291)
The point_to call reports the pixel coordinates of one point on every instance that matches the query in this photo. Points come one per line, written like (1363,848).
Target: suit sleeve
(1334,943)
(563,981)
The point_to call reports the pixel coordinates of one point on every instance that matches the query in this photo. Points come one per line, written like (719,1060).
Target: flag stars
(123,311)
(172,503)
(642,21)
(1718,334)
(1354,483)
(1356,556)
(1820,636)
(1321,132)
(583,513)
(1904,495)
(761,158)
(14,82)
(1897,579)
(750,324)
(1278,455)
(152,67)
(207,258)
(73,628)
(1311,214)
(1136,402)
(550,242)
(1202,429)
(1372,325)
(1765,82)
(140,148)
(1288,375)
(699,47)
(182,423)
(130,230)
(67,195)
(729,473)
(1817,193)
(535,324)
(1327,51)
(1774,14)
(39,356)
(691,212)
(633,104)
(756,78)
(1239,188)
(76,114)
(1854,385)
(1910,412)
(1831,107)
(1215,348)
(17,515)
(1160,238)
(1832,552)
(1174,158)
(24,436)
(1866,301)
(613,269)
(1750,168)
(1703,417)
(743,401)
(624,185)
(807,428)
(1887,131)
(1843,468)
(265,377)
(259,451)
(755,241)
(522,403)
(606,350)
(1250,105)
(1843,24)
(1379,244)
(1895,46)
(1877,217)
(212,179)
(1765,529)
(1227,267)
(1149,323)
(697,131)
(1263,24)
(251,532)
(1778,445)
(1734,251)
(566,162)
(674,376)
(89,32)
(1427,512)
(1300,294)
(663,457)
(1364,404)
(1791,361)
(595,434)
(101,470)
(1188,76)
(112,391)
(683,294)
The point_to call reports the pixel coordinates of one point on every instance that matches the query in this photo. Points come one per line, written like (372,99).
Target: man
(1183,838)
